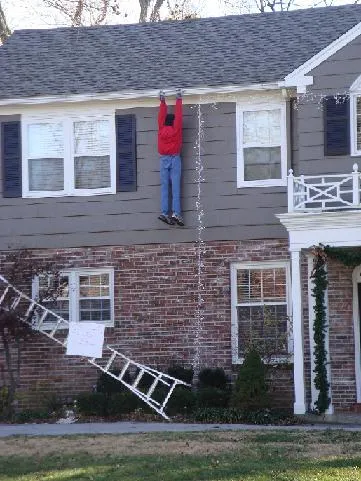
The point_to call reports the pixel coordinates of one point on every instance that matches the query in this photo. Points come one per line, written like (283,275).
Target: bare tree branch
(5,31)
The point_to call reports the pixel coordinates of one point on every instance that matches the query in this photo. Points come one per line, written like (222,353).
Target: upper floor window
(260,309)
(68,156)
(262,151)
(355,124)
(81,295)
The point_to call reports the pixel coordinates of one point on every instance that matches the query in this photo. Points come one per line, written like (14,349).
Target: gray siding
(334,76)
(131,218)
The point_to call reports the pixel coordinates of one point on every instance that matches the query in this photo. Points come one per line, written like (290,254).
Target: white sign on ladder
(85,339)
(152,386)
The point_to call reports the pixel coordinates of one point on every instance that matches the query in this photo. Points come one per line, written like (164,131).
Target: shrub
(123,403)
(182,373)
(213,378)
(108,385)
(182,401)
(29,415)
(250,390)
(211,397)
(92,404)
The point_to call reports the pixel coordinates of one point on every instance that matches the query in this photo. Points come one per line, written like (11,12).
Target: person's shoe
(166,219)
(177,219)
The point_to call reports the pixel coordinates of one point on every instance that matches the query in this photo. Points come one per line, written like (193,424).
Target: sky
(32,14)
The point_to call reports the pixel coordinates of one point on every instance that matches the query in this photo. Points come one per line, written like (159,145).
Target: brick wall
(156,295)
(341,335)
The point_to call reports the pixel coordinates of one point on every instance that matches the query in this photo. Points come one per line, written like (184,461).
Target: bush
(215,378)
(182,373)
(250,390)
(108,385)
(92,404)
(29,415)
(211,397)
(123,403)
(182,401)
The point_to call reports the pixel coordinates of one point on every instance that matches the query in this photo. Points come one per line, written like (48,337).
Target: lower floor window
(260,309)
(78,295)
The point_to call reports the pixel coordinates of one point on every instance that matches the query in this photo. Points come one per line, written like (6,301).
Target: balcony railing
(324,192)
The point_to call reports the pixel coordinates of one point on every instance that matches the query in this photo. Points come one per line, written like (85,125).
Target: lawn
(216,456)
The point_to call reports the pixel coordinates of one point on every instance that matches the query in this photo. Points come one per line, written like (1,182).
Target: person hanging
(169,148)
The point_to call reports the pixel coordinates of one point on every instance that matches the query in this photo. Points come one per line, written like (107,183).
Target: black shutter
(11,158)
(126,153)
(337,125)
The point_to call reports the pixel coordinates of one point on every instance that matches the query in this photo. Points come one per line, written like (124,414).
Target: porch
(325,210)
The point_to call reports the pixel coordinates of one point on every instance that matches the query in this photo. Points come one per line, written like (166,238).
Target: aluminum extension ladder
(151,386)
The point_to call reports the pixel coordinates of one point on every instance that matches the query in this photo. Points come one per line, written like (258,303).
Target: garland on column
(319,276)
(350,257)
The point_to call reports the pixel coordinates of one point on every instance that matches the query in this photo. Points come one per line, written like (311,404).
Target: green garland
(349,257)
(319,276)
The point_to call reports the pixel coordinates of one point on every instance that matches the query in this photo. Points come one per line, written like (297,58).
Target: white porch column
(299,406)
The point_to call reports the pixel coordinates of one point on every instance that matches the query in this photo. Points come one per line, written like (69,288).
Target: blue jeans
(170,172)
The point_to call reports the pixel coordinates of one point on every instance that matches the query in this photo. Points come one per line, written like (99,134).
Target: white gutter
(137,94)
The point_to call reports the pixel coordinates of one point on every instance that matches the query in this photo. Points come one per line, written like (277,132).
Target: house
(263,94)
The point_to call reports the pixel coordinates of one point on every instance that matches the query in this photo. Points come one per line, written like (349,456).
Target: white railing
(324,192)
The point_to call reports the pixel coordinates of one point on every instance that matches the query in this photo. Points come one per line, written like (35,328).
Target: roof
(232,50)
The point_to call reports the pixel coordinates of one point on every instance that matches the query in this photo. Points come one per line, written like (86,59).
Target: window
(262,152)
(68,156)
(356,124)
(83,295)
(260,309)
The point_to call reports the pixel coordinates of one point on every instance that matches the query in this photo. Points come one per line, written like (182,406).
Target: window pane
(358,123)
(94,310)
(46,174)
(92,172)
(262,163)
(261,285)
(249,282)
(91,138)
(262,127)
(263,326)
(45,141)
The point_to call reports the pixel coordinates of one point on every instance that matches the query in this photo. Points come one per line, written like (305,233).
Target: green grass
(236,456)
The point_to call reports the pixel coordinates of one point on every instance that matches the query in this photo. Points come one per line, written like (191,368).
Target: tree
(181,10)
(96,12)
(19,268)
(261,6)
(4,29)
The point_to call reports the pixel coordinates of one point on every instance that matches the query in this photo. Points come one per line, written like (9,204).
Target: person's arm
(162,110)
(178,113)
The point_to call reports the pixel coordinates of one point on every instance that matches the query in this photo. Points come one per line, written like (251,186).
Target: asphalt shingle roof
(231,50)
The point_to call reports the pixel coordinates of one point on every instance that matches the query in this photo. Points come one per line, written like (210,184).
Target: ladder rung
(16,302)
(42,317)
(152,387)
(29,309)
(110,361)
(4,294)
(122,372)
(138,378)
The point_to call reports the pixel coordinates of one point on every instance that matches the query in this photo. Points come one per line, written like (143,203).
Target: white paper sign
(85,339)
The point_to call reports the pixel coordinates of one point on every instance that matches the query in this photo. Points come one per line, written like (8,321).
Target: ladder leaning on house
(36,315)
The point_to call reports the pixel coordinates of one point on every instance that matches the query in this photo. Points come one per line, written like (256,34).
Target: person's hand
(162,96)
(179,94)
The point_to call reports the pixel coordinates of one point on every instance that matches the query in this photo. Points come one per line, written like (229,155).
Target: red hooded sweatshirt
(170,136)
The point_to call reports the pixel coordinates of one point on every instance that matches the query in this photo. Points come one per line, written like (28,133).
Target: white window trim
(235,266)
(353,123)
(67,121)
(74,287)
(244,107)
